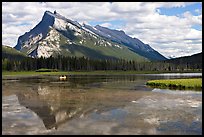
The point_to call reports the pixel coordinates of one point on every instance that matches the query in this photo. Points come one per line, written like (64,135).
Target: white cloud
(193,19)
(106,24)
(170,35)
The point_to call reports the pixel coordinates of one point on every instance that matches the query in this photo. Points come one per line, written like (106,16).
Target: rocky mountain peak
(56,34)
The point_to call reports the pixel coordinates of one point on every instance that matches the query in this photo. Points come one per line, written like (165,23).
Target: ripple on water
(168,91)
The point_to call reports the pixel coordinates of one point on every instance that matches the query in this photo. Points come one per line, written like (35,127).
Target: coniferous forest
(62,63)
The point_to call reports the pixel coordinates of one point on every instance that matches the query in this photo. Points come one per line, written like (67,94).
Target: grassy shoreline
(182,84)
(7,75)
(195,83)
(109,72)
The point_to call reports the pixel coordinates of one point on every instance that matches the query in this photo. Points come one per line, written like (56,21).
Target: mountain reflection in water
(97,105)
(56,104)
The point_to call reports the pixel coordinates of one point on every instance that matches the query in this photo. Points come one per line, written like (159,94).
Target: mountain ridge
(133,43)
(192,59)
(55,34)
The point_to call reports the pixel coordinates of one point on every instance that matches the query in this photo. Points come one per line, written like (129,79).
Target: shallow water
(99,104)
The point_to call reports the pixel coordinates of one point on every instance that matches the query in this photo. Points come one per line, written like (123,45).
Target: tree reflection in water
(58,102)
(98,105)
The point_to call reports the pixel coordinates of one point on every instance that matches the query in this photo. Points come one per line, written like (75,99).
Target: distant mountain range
(56,35)
(195,59)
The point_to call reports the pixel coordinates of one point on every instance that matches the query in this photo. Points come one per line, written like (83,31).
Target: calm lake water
(99,104)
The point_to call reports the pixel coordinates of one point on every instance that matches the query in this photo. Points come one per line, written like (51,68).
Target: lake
(99,104)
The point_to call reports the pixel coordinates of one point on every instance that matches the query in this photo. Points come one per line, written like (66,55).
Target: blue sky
(113,24)
(194,9)
(179,10)
(172,28)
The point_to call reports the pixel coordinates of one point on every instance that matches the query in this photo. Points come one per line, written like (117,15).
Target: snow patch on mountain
(120,37)
(60,24)
(89,31)
(118,46)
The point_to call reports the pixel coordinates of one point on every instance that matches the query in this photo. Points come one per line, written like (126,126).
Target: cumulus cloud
(170,35)
(193,19)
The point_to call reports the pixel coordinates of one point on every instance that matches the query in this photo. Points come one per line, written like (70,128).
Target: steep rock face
(36,34)
(52,39)
(56,35)
(35,42)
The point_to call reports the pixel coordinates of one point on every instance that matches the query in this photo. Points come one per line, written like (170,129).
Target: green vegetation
(194,61)
(11,53)
(99,72)
(30,73)
(194,83)
(13,73)
(63,63)
(102,62)
(46,70)
(94,48)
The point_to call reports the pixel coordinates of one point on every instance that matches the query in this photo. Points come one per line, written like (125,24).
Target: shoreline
(40,75)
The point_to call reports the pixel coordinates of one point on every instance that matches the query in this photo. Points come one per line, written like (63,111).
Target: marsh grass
(100,72)
(46,70)
(182,84)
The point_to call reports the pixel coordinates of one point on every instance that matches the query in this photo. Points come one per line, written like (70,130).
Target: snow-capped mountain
(56,34)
